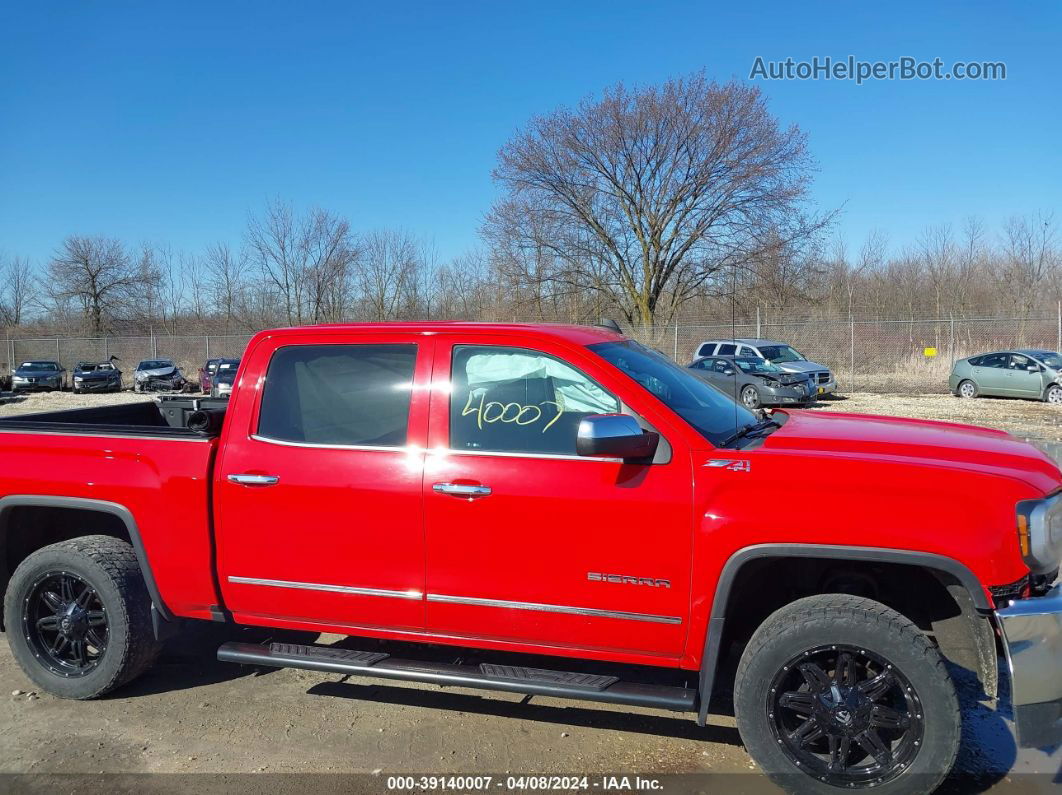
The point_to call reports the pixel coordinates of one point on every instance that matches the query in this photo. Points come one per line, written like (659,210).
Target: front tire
(78,617)
(838,691)
(750,397)
(1053,395)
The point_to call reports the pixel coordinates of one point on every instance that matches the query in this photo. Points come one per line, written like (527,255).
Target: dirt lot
(191,714)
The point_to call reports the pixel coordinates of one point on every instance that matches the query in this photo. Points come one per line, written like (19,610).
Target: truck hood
(97,375)
(919,441)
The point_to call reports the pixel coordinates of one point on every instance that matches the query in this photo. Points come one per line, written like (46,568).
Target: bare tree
(17,291)
(390,262)
(308,260)
(645,195)
(96,274)
(225,281)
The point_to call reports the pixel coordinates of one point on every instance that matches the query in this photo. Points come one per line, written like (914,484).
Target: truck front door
(526,540)
(318,485)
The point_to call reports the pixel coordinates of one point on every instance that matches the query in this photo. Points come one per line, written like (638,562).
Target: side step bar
(509,678)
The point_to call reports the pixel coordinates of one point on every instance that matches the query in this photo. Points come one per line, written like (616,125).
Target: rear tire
(94,585)
(967,389)
(840,692)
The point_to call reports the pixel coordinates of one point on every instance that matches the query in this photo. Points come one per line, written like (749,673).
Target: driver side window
(516,400)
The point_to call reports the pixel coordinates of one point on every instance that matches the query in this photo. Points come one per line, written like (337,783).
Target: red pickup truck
(557,491)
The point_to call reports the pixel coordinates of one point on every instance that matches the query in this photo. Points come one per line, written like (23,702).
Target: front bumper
(1032,640)
(97,386)
(37,386)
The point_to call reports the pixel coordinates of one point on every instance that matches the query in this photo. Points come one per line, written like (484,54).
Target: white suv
(786,357)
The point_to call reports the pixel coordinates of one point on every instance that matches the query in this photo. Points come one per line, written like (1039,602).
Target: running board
(508,678)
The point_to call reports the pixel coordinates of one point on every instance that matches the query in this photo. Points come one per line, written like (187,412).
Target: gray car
(1032,373)
(754,381)
(785,356)
(37,376)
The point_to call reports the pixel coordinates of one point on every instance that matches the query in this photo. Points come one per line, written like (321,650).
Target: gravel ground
(55,401)
(1024,418)
(192,714)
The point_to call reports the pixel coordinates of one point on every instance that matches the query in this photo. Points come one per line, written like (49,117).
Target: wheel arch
(964,586)
(120,512)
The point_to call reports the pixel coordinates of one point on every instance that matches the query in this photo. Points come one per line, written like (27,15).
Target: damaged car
(97,377)
(158,375)
(755,382)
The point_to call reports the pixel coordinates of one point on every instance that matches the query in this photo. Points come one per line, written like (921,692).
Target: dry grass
(56,401)
(1028,419)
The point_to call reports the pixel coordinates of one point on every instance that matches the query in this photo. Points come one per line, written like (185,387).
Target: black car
(38,376)
(97,377)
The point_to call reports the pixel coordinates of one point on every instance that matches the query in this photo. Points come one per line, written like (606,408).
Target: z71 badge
(623,579)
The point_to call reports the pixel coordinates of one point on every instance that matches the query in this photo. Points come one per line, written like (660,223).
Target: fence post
(758,335)
(851,348)
(675,356)
(207,339)
(1058,348)
(106,349)
(58,353)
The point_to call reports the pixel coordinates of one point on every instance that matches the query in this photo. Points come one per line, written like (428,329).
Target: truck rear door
(317,493)
(531,543)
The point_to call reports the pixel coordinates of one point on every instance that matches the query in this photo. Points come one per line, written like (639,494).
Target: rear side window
(338,394)
(515,400)
(993,360)
(727,350)
(707,349)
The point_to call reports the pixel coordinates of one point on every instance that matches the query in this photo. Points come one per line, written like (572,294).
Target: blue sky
(170,121)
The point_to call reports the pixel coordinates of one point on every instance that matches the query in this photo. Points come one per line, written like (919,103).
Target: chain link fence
(864,355)
(873,355)
(188,352)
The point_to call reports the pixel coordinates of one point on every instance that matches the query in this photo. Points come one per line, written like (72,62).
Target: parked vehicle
(38,376)
(779,353)
(1030,373)
(554,490)
(206,375)
(97,377)
(755,382)
(224,378)
(158,375)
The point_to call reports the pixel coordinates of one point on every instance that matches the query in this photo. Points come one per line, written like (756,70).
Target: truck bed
(164,416)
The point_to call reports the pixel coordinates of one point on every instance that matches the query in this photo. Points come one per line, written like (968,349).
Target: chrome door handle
(254,480)
(462,489)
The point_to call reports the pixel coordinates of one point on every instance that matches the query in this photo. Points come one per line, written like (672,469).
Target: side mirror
(614,436)
(1033,368)
(728,371)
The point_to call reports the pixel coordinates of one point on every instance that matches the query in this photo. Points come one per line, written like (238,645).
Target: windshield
(1050,358)
(39,367)
(749,364)
(780,353)
(226,376)
(154,364)
(712,414)
(87,367)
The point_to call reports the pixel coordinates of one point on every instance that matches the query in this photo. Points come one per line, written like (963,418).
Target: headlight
(1040,533)
(18,378)
(78,379)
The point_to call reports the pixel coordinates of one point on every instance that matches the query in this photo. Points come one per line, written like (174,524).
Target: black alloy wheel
(845,715)
(65,622)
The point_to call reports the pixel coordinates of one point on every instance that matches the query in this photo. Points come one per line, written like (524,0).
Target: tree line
(682,202)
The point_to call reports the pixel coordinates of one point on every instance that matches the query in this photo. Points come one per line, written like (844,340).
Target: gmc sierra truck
(557,491)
